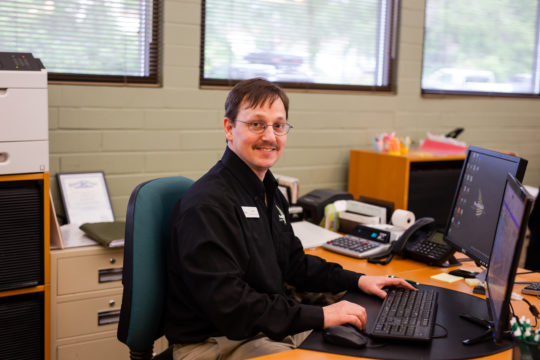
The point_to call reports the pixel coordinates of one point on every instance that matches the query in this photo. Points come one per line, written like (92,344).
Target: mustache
(267,144)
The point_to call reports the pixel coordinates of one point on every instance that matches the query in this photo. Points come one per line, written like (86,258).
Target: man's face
(259,151)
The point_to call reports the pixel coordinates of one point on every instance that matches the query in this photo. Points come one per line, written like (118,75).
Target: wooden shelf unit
(11,295)
(408,181)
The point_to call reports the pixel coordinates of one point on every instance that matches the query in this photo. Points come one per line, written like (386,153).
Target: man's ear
(228,126)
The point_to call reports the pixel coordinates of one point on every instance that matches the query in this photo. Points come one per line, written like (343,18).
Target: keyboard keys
(407,315)
(355,246)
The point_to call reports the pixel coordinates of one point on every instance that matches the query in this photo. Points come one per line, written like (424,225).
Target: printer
(24,129)
(314,202)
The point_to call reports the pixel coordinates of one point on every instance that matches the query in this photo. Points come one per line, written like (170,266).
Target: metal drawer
(103,349)
(88,316)
(89,273)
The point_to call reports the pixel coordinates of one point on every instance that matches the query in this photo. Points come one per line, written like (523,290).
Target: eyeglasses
(258,127)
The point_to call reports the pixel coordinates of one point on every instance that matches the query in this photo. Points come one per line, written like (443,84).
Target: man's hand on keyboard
(345,312)
(375,284)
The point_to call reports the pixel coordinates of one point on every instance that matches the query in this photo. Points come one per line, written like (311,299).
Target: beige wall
(136,134)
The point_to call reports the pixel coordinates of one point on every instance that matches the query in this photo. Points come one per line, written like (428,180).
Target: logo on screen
(478,205)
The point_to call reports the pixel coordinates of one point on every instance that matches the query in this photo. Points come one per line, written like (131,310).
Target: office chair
(144,275)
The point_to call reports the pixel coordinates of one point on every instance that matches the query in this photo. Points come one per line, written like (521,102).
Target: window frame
(155,51)
(394,7)
(465,93)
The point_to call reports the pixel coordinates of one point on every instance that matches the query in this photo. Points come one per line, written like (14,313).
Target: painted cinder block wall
(138,133)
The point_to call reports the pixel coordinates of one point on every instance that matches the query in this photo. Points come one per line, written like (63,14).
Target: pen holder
(525,350)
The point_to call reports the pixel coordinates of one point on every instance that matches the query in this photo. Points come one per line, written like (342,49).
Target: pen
(409,281)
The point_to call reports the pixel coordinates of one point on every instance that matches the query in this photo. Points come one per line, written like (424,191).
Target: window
(112,41)
(311,44)
(485,47)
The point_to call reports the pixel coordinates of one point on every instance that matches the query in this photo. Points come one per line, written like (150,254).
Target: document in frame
(85,197)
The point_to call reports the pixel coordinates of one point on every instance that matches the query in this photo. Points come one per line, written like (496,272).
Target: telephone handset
(421,242)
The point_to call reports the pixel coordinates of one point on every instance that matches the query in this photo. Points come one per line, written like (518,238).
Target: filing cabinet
(86,296)
(85,304)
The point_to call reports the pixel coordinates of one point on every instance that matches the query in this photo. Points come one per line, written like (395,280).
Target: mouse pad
(450,305)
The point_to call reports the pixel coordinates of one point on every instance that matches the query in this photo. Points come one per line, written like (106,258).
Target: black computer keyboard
(532,289)
(407,315)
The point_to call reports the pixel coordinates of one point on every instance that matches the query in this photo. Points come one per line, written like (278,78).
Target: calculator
(361,242)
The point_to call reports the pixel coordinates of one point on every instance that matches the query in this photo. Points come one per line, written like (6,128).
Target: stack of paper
(358,218)
(290,187)
(441,145)
(312,235)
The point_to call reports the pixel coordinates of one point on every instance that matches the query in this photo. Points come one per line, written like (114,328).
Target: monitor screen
(511,227)
(475,208)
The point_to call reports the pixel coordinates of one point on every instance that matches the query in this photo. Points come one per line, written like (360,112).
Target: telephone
(422,242)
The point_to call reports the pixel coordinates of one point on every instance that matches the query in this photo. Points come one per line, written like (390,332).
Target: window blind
(330,44)
(481,47)
(86,40)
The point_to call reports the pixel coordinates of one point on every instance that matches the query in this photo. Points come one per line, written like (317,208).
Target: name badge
(250,212)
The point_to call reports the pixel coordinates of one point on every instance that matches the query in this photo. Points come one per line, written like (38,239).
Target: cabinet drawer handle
(108,317)
(112,260)
(109,275)
(112,303)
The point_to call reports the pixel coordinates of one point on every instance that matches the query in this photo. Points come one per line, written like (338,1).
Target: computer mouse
(345,335)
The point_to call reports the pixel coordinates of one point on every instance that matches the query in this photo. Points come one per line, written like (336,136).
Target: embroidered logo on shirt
(250,211)
(281,215)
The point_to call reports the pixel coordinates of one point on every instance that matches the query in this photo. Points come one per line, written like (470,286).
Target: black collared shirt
(230,255)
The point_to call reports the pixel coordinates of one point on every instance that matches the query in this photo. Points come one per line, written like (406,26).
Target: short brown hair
(255,92)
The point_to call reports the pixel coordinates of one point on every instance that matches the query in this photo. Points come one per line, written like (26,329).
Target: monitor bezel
(520,173)
(503,318)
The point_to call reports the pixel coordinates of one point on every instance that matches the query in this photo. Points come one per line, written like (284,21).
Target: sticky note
(446,277)
(472,282)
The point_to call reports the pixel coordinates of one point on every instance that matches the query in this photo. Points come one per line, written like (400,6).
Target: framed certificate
(85,197)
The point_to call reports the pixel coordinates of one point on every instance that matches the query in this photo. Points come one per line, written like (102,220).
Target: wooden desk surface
(412,270)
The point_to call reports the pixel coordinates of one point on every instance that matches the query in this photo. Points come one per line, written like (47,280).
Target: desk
(407,269)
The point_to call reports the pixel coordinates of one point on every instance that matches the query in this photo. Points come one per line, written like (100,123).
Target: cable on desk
(534,311)
(443,335)
(526,272)
(512,310)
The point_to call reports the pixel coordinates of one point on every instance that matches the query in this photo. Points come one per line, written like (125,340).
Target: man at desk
(232,248)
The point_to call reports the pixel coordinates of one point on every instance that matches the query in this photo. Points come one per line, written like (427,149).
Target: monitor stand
(487,335)
(481,276)
(452,261)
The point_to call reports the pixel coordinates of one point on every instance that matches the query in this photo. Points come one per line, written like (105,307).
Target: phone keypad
(431,249)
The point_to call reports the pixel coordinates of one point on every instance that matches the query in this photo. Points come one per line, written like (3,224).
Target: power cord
(526,272)
(443,335)
(534,311)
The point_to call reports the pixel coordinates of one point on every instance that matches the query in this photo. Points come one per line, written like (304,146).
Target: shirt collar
(246,177)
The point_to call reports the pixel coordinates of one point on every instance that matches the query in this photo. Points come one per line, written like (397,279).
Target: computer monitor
(473,217)
(504,259)
(508,240)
